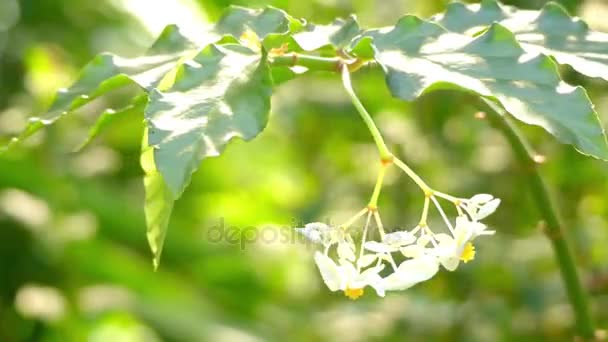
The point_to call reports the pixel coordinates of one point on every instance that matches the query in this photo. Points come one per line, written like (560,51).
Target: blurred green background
(75,265)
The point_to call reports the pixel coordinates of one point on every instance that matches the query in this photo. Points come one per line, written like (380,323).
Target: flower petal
(379,247)
(366,260)
(346,251)
(311,235)
(400,238)
(450,263)
(412,251)
(480,199)
(330,272)
(487,209)
(412,272)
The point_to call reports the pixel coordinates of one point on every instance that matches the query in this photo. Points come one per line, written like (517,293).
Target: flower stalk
(552,226)
(385,154)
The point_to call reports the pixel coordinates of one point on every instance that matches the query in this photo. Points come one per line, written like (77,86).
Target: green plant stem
(552,225)
(308,61)
(373,202)
(337,64)
(385,154)
(410,173)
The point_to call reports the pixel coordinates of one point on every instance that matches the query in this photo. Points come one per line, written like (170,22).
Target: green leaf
(551,31)
(339,34)
(223,93)
(109,115)
(159,201)
(269,21)
(418,56)
(107,72)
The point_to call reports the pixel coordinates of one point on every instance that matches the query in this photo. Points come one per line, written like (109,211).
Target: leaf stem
(552,225)
(309,61)
(317,63)
(385,154)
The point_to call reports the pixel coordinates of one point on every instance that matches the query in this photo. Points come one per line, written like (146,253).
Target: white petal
(317,232)
(366,260)
(423,240)
(346,251)
(349,275)
(372,271)
(477,228)
(487,209)
(450,263)
(412,251)
(317,226)
(444,239)
(330,272)
(480,199)
(412,272)
(462,221)
(377,283)
(424,267)
(400,238)
(312,235)
(378,247)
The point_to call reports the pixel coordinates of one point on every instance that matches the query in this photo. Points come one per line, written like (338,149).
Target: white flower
(379,247)
(471,229)
(366,260)
(347,278)
(481,206)
(450,250)
(411,272)
(418,249)
(346,251)
(391,242)
(399,238)
(321,233)
(459,247)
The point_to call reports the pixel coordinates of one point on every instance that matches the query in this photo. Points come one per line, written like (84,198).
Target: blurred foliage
(75,266)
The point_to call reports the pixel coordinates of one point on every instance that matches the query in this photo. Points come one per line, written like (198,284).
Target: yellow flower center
(468,253)
(353,293)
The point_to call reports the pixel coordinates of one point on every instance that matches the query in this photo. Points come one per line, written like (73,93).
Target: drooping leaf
(223,93)
(107,72)
(418,55)
(551,31)
(338,34)
(159,201)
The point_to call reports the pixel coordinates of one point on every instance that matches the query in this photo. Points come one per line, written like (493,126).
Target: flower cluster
(351,267)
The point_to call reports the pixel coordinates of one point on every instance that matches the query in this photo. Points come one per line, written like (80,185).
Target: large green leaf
(270,21)
(107,72)
(338,34)
(418,55)
(159,201)
(550,31)
(223,93)
(110,115)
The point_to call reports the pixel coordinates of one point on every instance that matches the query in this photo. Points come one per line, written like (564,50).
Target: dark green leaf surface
(223,93)
(550,31)
(107,72)
(418,55)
